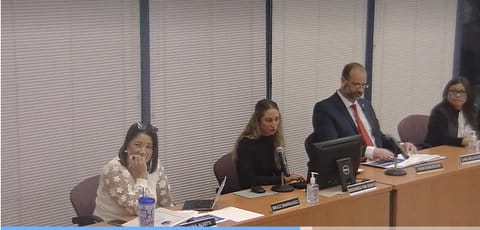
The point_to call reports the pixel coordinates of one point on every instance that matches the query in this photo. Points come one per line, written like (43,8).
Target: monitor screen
(324,156)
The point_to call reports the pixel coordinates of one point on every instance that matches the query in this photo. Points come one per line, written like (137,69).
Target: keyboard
(198,205)
(299,185)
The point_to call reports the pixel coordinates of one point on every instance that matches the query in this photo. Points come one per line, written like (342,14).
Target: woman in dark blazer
(452,119)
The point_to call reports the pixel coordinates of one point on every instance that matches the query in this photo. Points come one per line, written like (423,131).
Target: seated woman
(134,170)
(452,119)
(255,148)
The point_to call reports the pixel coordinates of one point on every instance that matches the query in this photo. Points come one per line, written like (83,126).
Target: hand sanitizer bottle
(312,190)
(473,144)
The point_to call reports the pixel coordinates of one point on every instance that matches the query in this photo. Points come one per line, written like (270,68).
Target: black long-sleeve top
(256,163)
(443,126)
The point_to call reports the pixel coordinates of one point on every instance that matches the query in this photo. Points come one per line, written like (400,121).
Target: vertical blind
(207,72)
(412,58)
(312,41)
(70,89)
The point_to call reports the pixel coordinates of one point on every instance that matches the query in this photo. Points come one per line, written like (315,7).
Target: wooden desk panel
(448,197)
(367,209)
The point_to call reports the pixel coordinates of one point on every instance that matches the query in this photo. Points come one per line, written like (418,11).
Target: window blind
(412,58)
(207,73)
(70,90)
(312,41)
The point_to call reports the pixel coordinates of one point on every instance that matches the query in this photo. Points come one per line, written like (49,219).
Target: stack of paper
(414,159)
(166,217)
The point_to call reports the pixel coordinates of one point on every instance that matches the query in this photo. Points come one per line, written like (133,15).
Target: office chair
(225,167)
(308,148)
(82,197)
(413,129)
(308,145)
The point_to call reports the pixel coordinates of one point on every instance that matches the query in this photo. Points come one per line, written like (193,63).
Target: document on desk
(235,214)
(414,159)
(165,217)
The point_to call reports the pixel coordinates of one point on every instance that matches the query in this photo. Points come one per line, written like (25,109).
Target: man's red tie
(365,138)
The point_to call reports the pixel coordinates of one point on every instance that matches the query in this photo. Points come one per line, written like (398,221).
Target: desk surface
(339,210)
(447,197)
(451,165)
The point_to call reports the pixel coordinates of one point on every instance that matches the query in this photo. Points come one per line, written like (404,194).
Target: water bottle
(472,143)
(146,211)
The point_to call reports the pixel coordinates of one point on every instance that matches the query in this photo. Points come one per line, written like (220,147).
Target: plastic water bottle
(146,211)
(473,143)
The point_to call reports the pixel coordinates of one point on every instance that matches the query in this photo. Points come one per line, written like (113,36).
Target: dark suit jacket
(331,120)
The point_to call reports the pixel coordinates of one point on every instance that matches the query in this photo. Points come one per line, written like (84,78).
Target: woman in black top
(255,148)
(452,119)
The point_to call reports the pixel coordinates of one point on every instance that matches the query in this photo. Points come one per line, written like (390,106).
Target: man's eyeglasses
(358,85)
(453,92)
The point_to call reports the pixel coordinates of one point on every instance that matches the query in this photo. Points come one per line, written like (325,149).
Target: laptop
(204,205)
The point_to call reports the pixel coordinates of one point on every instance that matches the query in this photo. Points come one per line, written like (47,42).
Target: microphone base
(282,188)
(395,172)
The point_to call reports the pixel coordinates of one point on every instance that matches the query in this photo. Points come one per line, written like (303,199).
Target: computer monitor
(324,156)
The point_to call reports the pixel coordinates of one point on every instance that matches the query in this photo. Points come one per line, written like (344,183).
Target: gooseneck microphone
(281,160)
(396,150)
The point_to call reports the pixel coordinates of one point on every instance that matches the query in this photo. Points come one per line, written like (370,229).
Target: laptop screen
(219,192)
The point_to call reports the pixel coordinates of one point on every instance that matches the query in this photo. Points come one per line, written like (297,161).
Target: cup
(146,211)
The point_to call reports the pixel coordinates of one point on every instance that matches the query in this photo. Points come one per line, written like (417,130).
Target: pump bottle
(473,144)
(312,189)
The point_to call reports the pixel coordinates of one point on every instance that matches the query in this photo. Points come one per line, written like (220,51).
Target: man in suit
(334,117)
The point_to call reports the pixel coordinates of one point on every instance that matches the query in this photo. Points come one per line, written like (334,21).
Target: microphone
(282,159)
(396,150)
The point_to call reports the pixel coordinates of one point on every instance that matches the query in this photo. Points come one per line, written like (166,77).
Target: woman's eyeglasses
(453,92)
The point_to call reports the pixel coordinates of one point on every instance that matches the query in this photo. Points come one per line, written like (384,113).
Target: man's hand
(381,154)
(410,148)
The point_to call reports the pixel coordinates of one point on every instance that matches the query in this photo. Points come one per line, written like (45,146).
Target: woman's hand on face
(137,166)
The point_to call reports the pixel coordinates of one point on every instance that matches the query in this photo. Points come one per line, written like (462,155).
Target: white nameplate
(361,186)
(428,168)
(285,204)
(468,158)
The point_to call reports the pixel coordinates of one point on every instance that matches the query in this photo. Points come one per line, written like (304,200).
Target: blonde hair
(252,129)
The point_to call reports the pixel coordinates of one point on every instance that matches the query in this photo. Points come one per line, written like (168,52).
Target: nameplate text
(285,204)
(200,223)
(428,168)
(361,186)
(468,158)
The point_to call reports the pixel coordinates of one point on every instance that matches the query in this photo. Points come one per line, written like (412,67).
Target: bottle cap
(146,200)
(312,178)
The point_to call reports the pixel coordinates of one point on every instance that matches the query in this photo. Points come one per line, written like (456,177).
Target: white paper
(413,159)
(165,217)
(330,191)
(235,214)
